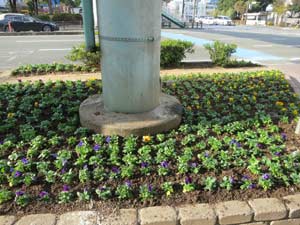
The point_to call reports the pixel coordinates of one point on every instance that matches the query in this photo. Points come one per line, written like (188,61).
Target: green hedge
(174,51)
(66,17)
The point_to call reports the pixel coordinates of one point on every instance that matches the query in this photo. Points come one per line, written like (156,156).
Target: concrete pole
(130,46)
(88,24)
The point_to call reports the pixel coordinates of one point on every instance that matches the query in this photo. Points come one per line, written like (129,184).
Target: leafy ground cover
(236,141)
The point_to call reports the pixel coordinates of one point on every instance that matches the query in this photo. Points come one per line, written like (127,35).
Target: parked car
(208,20)
(21,22)
(223,20)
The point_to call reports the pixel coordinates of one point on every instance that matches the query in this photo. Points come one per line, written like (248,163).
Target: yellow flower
(174,84)
(284,109)
(295,112)
(198,107)
(10,115)
(36,104)
(231,100)
(254,98)
(189,108)
(279,103)
(146,138)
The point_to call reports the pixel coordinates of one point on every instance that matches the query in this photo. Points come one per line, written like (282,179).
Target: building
(4,3)
(191,8)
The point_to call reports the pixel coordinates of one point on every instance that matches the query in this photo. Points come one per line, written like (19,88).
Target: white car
(209,20)
(223,20)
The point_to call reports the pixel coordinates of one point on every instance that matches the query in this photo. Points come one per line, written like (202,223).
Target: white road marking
(294,59)
(11,58)
(39,41)
(54,49)
(262,46)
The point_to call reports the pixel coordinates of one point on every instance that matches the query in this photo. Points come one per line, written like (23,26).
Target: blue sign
(55,2)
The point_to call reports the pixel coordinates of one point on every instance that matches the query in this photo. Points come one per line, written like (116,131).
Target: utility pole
(183,9)
(195,6)
(88,24)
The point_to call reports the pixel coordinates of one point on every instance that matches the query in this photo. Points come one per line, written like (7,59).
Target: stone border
(262,211)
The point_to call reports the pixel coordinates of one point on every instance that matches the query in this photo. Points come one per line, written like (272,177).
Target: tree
(240,7)
(295,7)
(280,8)
(13,5)
(50,7)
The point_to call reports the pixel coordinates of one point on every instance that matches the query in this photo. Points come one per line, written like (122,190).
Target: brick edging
(263,211)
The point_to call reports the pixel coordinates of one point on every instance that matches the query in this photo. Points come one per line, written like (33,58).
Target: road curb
(3,34)
(260,211)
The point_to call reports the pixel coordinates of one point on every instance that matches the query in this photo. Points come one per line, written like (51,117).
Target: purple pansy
(128,183)
(85,167)
(17,174)
(25,161)
(259,145)
(245,177)
(19,193)
(63,171)
(233,141)
(115,169)
(164,164)
(43,194)
(80,144)
(54,155)
(284,136)
(150,188)
(206,154)
(193,165)
(108,139)
(252,186)
(66,188)
(266,176)
(188,180)
(144,164)
(96,147)
(277,153)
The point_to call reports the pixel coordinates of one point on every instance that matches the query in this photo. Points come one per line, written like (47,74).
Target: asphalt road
(269,46)
(20,50)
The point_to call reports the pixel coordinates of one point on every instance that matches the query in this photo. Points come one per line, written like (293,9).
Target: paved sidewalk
(292,74)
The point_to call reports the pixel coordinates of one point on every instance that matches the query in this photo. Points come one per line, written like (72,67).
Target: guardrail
(189,25)
(70,25)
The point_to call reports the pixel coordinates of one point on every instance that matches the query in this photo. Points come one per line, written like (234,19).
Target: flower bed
(236,141)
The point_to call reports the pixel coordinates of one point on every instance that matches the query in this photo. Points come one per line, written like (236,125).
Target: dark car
(20,22)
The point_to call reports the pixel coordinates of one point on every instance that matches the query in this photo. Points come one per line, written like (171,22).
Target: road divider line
(11,58)
(294,59)
(39,41)
(262,46)
(54,49)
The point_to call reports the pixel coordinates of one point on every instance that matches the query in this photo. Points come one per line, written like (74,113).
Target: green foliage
(174,51)
(44,17)
(88,58)
(66,17)
(220,52)
(40,69)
